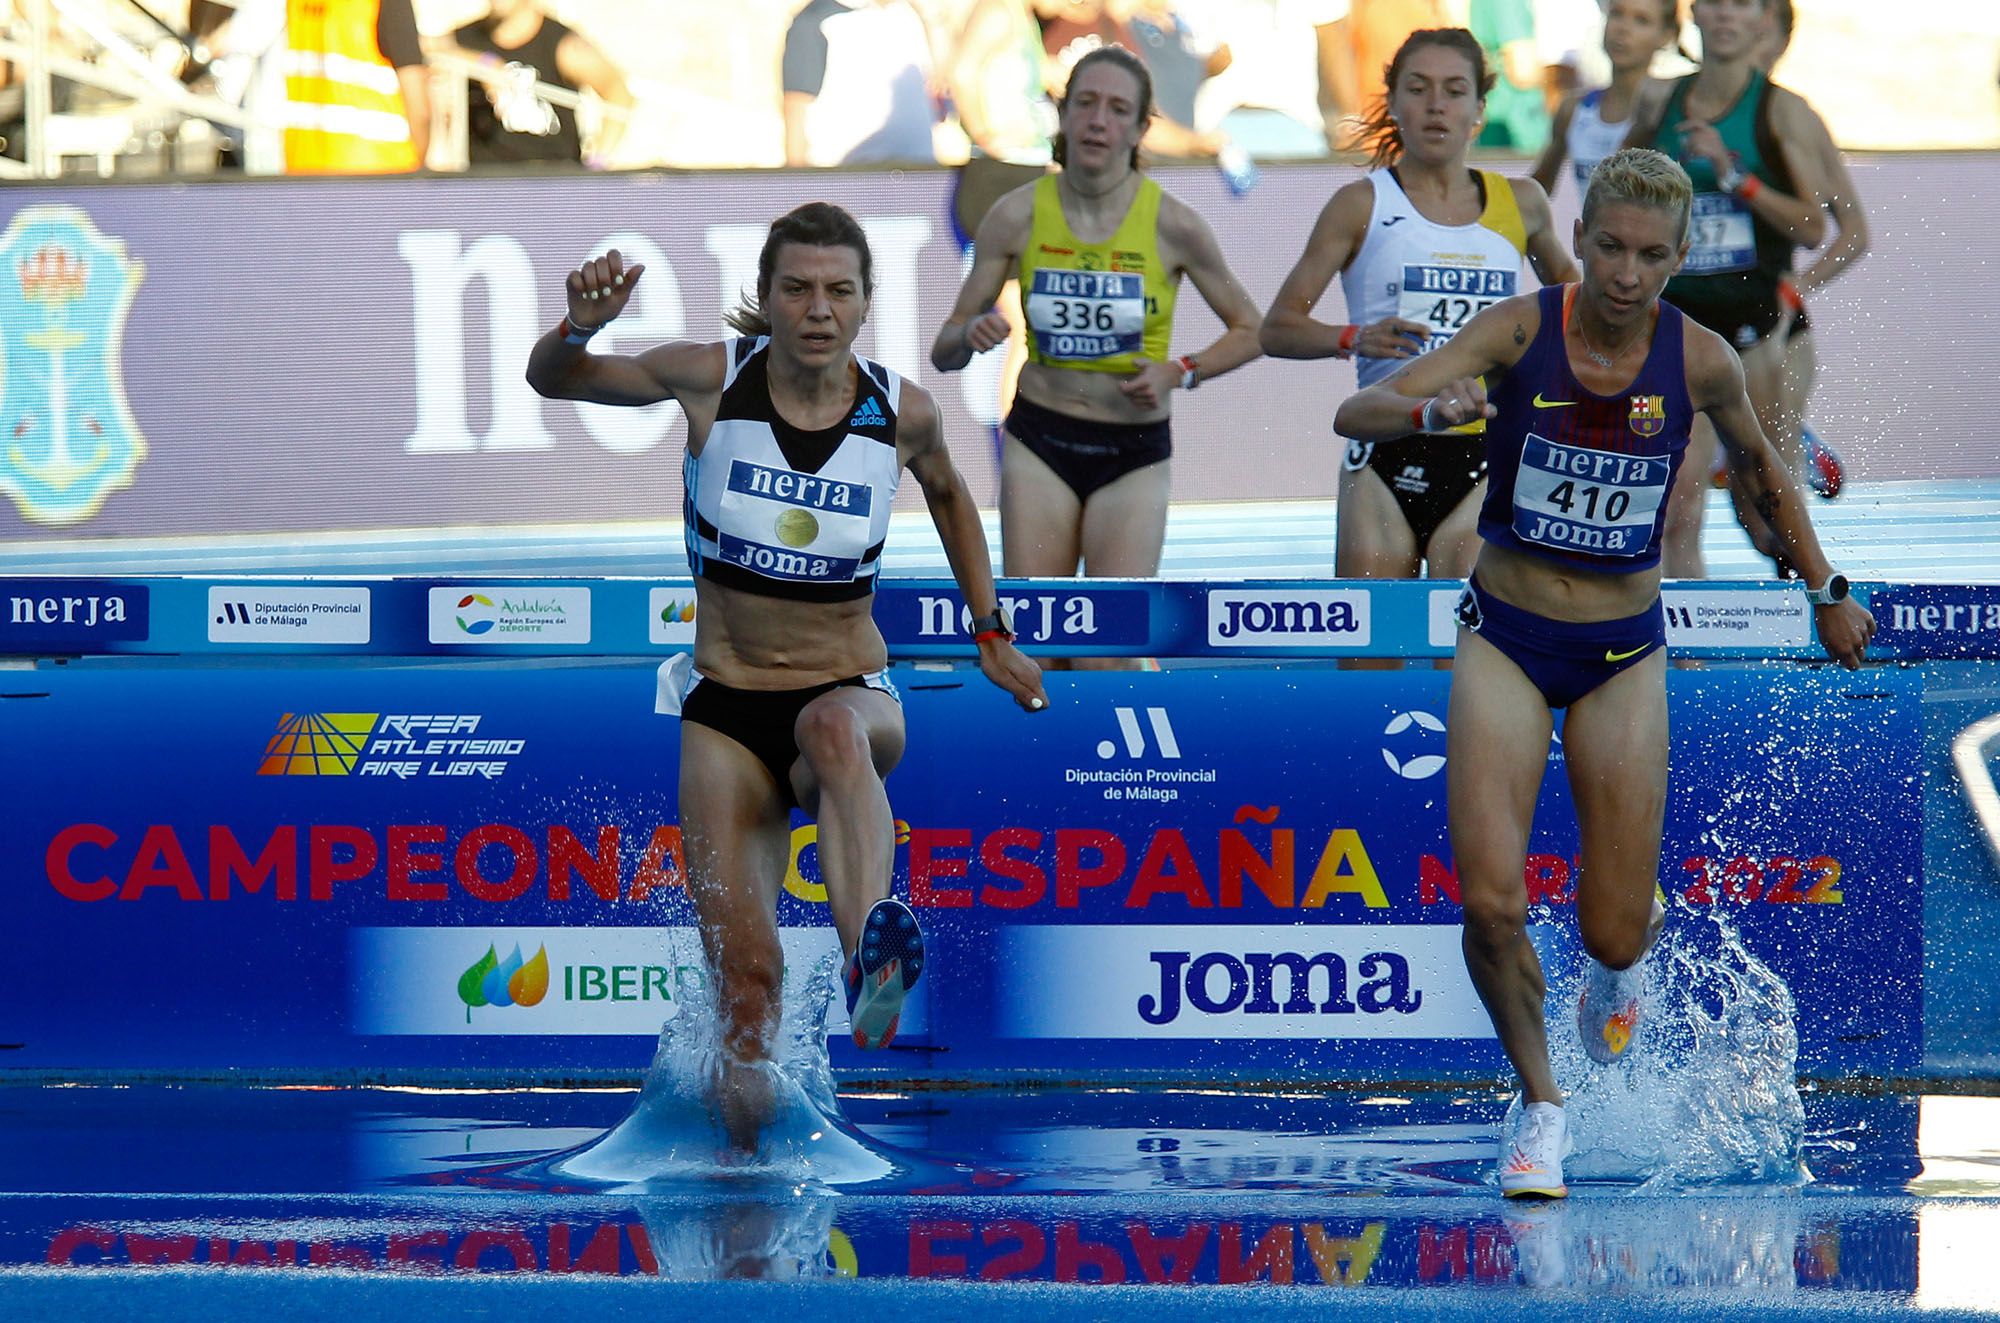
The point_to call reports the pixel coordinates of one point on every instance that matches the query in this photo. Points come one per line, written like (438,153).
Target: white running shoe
(1531,1167)
(1607,1010)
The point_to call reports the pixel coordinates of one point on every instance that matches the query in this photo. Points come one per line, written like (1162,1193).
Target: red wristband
(1750,187)
(1190,371)
(1417,416)
(1788,294)
(1348,335)
(985,634)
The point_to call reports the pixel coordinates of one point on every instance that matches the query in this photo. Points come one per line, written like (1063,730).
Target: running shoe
(881,972)
(1607,1011)
(1531,1167)
(1824,467)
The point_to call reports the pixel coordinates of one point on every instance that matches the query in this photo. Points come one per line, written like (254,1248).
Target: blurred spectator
(1072,29)
(1570,37)
(1290,81)
(1517,113)
(507,119)
(1378,29)
(998,85)
(356,90)
(247,68)
(1333,51)
(13,100)
(858,84)
(1163,41)
(1180,62)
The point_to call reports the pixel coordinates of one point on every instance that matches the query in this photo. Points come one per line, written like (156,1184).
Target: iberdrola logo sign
(492,981)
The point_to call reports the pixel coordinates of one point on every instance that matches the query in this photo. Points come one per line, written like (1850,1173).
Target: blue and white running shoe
(882,971)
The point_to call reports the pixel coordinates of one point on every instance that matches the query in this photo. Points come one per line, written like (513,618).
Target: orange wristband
(1750,187)
(1348,335)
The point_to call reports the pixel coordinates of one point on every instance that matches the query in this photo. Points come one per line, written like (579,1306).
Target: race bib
(1595,501)
(1444,298)
(1087,314)
(788,525)
(1721,236)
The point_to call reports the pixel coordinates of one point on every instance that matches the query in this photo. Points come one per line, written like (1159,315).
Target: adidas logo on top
(868,415)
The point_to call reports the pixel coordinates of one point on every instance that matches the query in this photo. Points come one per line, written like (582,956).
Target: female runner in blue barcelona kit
(1593,388)
(795,448)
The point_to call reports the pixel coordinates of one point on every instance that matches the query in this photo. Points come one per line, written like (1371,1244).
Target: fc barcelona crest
(1649,414)
(67,436)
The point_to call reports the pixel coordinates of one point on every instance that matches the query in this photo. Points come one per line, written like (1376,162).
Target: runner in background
(1100,251)
(1747,145)
(1824,468)
(1421,245)
(1591,125)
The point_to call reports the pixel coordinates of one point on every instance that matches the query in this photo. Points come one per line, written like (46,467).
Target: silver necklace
(1590,351)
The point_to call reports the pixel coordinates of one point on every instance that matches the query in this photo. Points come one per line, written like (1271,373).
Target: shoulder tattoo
(1520,334)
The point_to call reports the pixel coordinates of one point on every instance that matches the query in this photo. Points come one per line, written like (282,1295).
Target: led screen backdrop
(287,356)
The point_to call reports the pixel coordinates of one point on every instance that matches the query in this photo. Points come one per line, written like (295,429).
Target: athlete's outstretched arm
(1798,216)
(1548,253)
(598,292)
(1152,380)
(1291,331)
(1443,388)
(1715,382)
(1648,109)
(975,326)
(1548,168)
(920,438)
(1849,219)
(1208,270)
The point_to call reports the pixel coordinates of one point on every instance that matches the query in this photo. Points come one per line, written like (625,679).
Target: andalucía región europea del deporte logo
(475,614)
(491,981)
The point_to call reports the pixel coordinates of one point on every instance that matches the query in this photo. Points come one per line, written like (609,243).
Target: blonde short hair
(1643,176)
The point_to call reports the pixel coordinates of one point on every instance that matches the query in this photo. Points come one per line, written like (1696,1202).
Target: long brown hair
(1131,64)
(1377,133)
(817,225)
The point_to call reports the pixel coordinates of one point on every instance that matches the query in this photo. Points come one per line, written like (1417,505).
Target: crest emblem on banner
(67,436)
(1649,414)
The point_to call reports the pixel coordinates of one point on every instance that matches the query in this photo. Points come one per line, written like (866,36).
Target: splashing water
(675,1134)
(1710,1093)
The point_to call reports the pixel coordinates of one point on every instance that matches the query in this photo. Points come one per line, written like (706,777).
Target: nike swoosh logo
(1391,221)
(1611,656)
(1541,403)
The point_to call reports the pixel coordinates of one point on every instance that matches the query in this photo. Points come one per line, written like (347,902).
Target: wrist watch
(995,624)
(1834,590)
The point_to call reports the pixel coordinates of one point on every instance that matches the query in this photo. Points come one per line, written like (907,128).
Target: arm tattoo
(1520,335)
